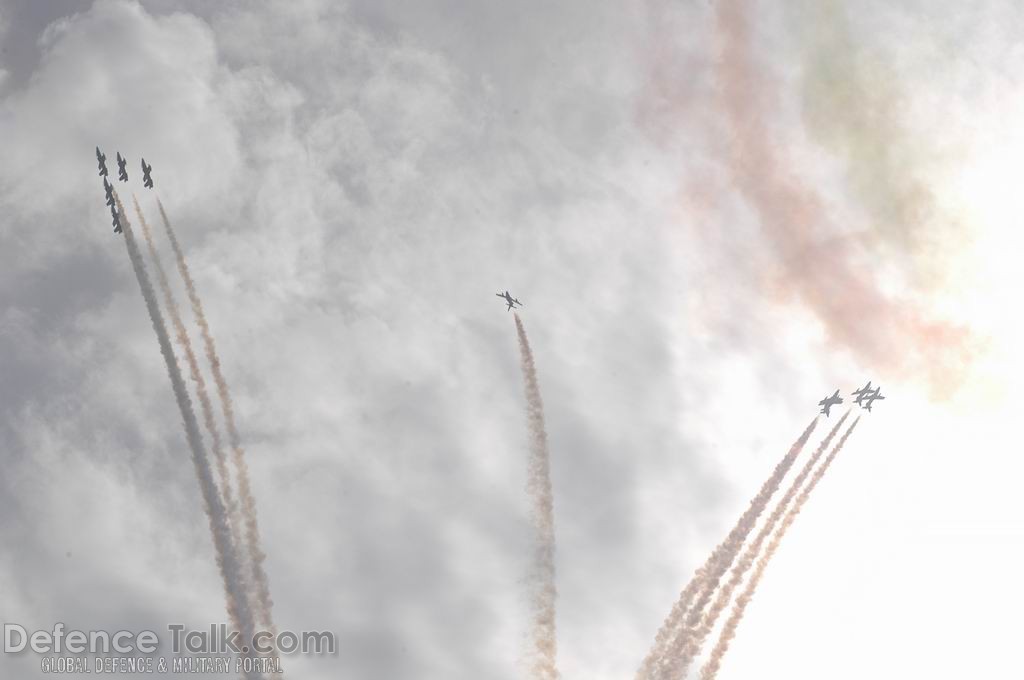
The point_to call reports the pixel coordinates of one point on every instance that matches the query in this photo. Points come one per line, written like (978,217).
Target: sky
(714,214)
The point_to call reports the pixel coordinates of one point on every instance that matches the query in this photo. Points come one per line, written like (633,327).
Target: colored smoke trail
(653,662)
(854,100)
(710,669)
(690,641)
(255,552)
(193,367)
(538,484)
(686,612)
(818,264)
(224,549)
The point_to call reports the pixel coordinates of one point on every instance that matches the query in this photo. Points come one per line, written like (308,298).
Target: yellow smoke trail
(657,663)
(224,550)
(710,669)
(689,641)
(538,482)
(256,555)
(193,367)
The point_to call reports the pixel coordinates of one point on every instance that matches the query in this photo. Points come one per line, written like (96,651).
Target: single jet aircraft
(122,174)
(509,299)
(828,402)
(116,220)
(146,179)
(101,160)
(870,398)
(109,188)
(861,393)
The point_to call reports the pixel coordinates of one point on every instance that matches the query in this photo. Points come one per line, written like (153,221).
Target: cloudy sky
(714,214)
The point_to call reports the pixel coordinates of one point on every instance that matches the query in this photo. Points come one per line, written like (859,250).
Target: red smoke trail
(704,582)
(827,277)
(231,572)
(248,503)
(689,641)
(538,484)
(710,669)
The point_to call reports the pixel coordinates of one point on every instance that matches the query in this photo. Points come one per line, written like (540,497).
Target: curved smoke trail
(853,101)
(231,572)
(705,580)
(689,641)
(710,669)
(823,272)
(538,483)
(248,503)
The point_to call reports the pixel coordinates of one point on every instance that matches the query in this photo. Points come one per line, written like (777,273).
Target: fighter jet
(116,220)
(109,188)
(101,160)
(122,174)
(870,398)
(509,299)
(861,393)
(828,402)
(146,179)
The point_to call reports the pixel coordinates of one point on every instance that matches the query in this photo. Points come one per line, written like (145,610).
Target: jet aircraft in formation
(861,393)
(867,396)
(116,219)
(864,397)
(828,402)
(509,299)
(109,189)
(101,160)
(122,174)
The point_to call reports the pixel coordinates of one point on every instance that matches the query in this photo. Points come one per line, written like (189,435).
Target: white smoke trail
(543,666)
(685,611)
(255,552)
(224,550)
(710,669)
(689,641)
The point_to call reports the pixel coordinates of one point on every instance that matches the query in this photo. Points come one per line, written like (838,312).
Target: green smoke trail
(854,101)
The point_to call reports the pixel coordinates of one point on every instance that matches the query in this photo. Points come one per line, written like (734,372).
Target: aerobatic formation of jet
(871,397)
(122,174)
(867,396)
(109,189)
(861,393)
(509,299)
(116,220)
(828,402)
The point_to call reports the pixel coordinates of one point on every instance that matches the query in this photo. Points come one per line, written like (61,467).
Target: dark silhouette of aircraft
(828,402)
(101,160)
(861,393)
(122,174)
(109,188)
(870,398)
(509,299)
(146,179)
(116,220)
